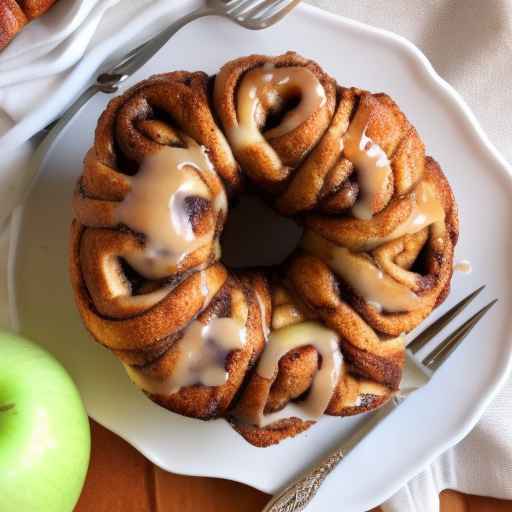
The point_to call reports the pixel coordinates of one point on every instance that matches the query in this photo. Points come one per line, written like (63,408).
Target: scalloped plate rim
(457,102)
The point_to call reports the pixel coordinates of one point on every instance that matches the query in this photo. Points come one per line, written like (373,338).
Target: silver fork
(250,14)
(296,496)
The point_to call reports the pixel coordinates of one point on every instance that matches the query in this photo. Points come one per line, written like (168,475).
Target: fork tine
(258,14)
(242,7)
(282,11)
(426,335)
(266,8)
(439,355)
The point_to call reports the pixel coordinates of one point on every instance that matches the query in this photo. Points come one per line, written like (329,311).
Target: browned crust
(211,402)
(35,8)
(369,403)
(181,95)
(387,370)
(290,147)
(136,333)
(12,20)
(273,434)
(313,180)
(14,15)
(319,288)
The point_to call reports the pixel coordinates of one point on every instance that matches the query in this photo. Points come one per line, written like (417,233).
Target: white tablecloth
(469,42)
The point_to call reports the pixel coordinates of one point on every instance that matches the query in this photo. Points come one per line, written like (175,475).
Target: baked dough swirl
(15,14)
(270,350)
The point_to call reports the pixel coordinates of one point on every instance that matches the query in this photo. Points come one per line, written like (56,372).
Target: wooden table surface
(122,480)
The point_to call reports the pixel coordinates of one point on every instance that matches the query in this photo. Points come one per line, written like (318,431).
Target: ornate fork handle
(298,494)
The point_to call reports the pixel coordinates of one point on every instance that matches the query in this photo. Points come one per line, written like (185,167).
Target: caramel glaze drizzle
(156,207)
(361,273)
(282,341)
(358,271)
(426,210)
(203,351)
(463,266)
(371,163)
(263,87)
(157,200)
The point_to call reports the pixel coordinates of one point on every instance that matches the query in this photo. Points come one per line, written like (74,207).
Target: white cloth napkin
(469,42)
(52,44)
(35,88)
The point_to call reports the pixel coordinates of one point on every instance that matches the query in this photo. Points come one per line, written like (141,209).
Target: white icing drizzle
(204,288)
(266,85)
(203,351)
(264,324)
(358,271)
(463,266)
(282,341)
(426,210)
(155,207)
(371,163)
(286,314)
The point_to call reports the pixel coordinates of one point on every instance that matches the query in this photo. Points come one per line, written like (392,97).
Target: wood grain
(120,479)
(117,478)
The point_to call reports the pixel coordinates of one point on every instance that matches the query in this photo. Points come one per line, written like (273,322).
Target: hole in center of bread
(255,235)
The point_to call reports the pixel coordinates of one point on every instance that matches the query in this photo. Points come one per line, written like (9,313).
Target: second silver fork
(297,495)
(250,14)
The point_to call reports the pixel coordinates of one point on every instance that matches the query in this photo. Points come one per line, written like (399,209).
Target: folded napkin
(47,65)
(52,44)
(469,42)
(32,65)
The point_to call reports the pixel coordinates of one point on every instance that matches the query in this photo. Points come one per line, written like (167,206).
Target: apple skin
(44,431)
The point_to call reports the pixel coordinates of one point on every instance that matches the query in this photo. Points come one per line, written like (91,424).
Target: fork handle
(48,135)
(297,495)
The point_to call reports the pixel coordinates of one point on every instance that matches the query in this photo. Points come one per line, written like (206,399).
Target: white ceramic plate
(428,423)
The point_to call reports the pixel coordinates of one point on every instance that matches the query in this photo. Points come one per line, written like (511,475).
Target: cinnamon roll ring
(15,14)
(271,351)
(12,20)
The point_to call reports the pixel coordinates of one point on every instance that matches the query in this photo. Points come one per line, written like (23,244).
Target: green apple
(44,431)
